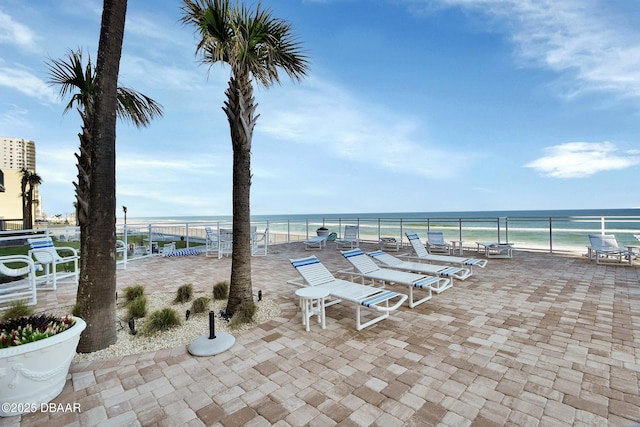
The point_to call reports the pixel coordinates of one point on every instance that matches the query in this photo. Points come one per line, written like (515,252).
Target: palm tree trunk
(239,109)
(97,288)
(83,185)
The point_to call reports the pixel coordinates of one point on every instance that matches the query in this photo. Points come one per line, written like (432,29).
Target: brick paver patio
(548,340)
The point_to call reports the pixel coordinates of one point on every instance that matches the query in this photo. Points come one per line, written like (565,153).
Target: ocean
(551,230)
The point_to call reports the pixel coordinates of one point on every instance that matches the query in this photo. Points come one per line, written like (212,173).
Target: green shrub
(200,305)
(161,320)
(138,307)
(17,309)
(133,292)
(184,294)
(244,314)
(221,290)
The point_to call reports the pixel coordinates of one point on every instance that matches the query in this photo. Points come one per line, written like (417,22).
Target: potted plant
(35,354)
(322,231)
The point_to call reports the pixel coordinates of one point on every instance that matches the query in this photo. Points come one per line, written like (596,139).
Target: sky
(407,106)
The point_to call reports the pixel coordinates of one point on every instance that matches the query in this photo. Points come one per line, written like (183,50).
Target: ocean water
(556,230)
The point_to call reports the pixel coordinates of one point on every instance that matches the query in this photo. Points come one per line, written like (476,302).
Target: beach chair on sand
(418,267)
(365,268)
(373,299)
(423,255)
(605,246)
(436,243)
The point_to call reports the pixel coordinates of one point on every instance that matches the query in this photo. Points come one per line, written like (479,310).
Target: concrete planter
(35,373)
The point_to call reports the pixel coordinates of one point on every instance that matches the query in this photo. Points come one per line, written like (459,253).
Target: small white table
(457,244)
(312,304)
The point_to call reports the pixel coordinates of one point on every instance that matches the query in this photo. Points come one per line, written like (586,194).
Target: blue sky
(409,106)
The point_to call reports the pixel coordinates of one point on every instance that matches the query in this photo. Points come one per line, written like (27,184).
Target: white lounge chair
(604,246)
(419,267)
(374,299)
(423,255)
(17,287)
(46,254)
(350,239)
(367,269)
(436,243)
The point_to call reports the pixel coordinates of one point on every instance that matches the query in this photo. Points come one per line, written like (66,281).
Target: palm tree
(78,80)
(28,182)
(98,100)
(256,46)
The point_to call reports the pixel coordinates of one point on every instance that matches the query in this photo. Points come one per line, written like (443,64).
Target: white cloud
(583,159)
(340,126)
(28,84)
(584,39)
(14,33)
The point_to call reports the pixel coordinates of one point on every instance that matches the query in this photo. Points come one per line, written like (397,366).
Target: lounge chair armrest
(401,299)
(74,251)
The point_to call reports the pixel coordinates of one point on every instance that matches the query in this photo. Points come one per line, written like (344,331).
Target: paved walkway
(541,339)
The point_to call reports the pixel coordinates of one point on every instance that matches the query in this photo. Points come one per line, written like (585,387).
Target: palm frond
(248,39)
(137,108)
(71,76)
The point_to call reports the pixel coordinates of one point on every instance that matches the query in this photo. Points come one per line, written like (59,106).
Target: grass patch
(161,320)
(200,305)
(17,309)
(244,314)
(184,293)
(221,290)
(138,307)
(133,292)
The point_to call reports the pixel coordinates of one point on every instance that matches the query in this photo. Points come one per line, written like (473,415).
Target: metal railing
(550,234)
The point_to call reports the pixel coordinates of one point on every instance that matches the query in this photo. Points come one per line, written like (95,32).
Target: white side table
(312,304)
(457,245)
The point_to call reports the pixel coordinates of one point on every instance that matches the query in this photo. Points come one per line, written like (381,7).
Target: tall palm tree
(28,182)
(97,287)
(99,101)
(78,80)
(256,46)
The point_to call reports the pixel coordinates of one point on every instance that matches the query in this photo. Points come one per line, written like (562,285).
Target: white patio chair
(605,246)
(15,287)
(260,242)
(350,239)
(423,255)
(436,243)
(211,243)
(365,268)
(46,254)
(225,242)
(390,261)
(374,299)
